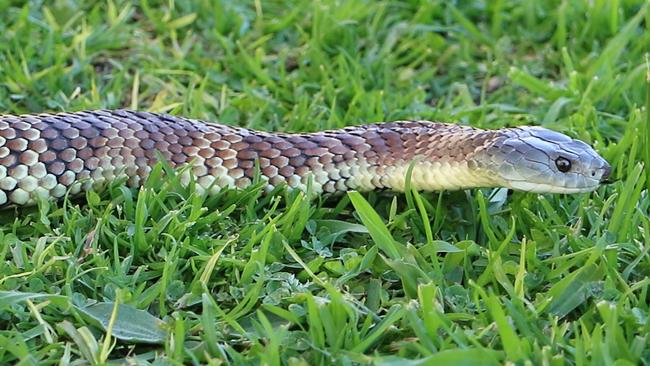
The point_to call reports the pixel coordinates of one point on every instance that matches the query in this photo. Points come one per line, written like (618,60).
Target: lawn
(166,276)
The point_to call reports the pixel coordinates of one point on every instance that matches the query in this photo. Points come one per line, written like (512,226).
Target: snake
(49,155)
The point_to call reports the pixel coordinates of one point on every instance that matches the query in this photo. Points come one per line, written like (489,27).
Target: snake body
(47,155)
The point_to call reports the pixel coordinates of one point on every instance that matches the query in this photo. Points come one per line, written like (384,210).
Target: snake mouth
(549,188)
(604,178)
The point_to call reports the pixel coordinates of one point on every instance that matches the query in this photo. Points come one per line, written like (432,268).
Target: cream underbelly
(427,176)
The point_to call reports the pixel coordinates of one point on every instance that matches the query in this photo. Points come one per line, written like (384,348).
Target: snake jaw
(534,159)
(547,188)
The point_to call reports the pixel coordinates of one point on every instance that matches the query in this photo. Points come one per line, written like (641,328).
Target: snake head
(536,159)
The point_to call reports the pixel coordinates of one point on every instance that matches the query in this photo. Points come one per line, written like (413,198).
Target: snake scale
(48,155)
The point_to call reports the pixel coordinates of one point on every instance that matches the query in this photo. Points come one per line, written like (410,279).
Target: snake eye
(563,164)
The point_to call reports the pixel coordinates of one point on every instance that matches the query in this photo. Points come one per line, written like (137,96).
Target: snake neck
(434,176)
(437,156)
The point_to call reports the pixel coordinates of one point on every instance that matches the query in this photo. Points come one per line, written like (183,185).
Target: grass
(162,275)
